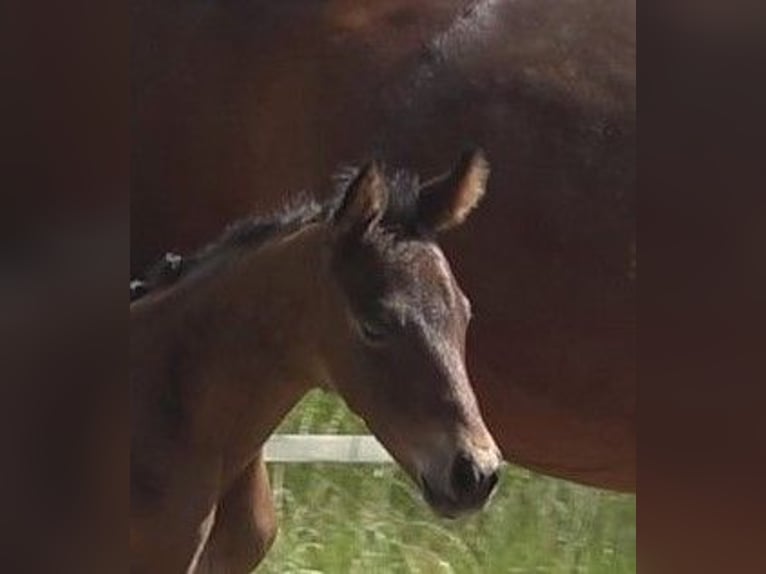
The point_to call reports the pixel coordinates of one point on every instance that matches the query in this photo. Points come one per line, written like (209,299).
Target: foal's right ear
(364,202)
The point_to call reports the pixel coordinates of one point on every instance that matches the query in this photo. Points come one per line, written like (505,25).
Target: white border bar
(298,448)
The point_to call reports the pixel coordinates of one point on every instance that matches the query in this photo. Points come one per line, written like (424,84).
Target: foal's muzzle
(470,481)
(469,486)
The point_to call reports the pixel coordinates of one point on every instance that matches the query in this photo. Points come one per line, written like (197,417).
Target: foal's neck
(246,329)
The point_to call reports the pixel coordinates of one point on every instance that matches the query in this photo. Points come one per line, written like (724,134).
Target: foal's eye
(375,332)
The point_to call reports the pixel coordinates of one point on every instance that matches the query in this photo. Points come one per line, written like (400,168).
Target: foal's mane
(255,231)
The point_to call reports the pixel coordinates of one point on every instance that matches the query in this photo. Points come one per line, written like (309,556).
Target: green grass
(340,518)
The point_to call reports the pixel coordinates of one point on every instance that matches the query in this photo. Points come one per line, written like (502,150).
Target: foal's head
(396,330)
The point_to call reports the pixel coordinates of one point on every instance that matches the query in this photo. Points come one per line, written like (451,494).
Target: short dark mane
(255,231)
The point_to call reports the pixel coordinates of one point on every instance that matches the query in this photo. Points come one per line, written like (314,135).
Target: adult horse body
(236,104)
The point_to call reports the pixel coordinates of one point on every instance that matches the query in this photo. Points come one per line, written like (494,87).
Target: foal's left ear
(364,202)
(445,202)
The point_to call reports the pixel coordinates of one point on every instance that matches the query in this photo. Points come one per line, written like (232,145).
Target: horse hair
(255,231)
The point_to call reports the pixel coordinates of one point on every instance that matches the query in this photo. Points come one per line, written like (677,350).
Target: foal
(354,295)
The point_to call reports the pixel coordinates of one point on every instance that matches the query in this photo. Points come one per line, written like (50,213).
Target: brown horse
(230,97)
(353,294)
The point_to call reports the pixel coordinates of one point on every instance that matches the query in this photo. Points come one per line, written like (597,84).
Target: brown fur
(237,104)
(347,299)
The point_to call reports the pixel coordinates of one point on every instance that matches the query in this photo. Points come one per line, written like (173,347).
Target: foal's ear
(364,202)
(446,201)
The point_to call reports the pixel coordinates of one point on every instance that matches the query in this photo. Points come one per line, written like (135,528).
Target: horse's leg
(245,525)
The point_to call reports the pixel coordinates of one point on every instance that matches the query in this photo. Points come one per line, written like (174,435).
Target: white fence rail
(290,448)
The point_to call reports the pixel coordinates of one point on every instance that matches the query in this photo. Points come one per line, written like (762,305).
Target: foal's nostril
(466,476)
(470,482)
